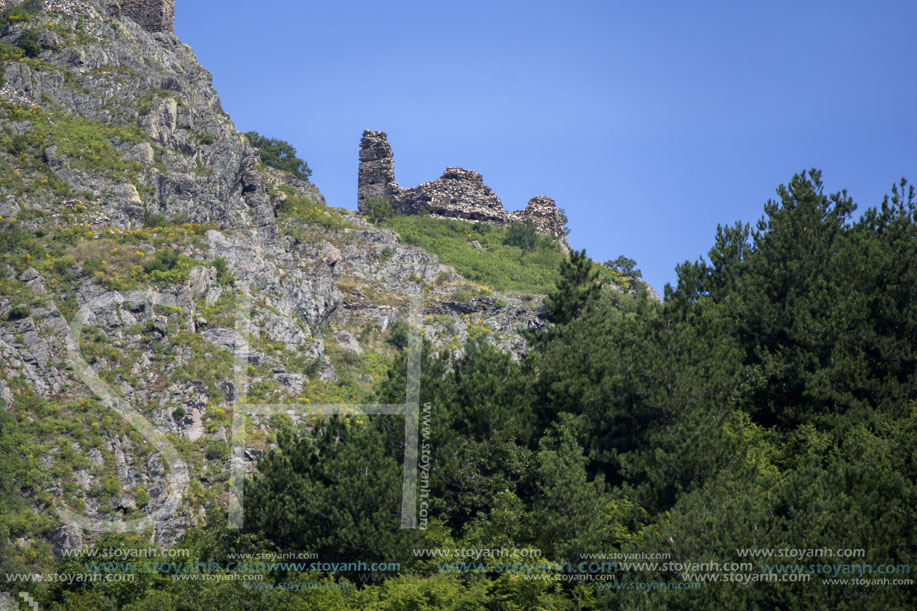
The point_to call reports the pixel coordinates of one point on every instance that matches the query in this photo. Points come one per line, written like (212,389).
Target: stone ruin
(457,194)
(151,15)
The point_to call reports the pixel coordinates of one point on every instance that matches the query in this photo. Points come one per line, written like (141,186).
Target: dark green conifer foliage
(578,287)
(279,154)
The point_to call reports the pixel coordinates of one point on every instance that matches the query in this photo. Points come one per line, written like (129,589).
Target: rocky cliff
(133,216)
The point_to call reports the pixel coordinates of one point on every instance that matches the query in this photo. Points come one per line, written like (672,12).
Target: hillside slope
(134,215)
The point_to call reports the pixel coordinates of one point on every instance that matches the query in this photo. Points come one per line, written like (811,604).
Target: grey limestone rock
(131,70)
(65,538)
(348,342)
(7,602)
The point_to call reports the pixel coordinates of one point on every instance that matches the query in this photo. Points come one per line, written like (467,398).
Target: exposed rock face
(192,163)
(457,194)
(275,178)
(66,538)
(151,15)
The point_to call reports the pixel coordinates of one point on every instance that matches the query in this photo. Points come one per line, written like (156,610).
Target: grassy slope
(500,267)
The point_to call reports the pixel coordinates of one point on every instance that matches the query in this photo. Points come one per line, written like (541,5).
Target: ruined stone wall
(544,214)
(151,15)
(457,194)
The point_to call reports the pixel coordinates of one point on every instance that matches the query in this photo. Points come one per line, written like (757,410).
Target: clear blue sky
(649,122)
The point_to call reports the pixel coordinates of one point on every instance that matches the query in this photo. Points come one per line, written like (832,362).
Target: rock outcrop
(128,69)
(458,194)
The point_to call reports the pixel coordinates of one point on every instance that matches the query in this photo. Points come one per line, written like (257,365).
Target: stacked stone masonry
(458,194)
(151,15)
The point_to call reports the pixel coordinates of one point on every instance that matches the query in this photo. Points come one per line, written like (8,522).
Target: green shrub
(217,450)
(465,295)
(304,209)
(18,312)
(155,219)
(386,254)
(91,266)
(224,276)
(625,266)
(168,267)
(398,334)
(378,209)
(165,260)
(111,485)
(178,413)
(279,154)
(521,235)
(18,145)
(13,238)
(8,51)
(28,42)
(62,264)
(21,13)
(565,220)
(204,138)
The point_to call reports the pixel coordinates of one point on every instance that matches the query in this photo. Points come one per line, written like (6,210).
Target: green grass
(296,211)
(501,267)
(86,145)
(22,13)
(8,51)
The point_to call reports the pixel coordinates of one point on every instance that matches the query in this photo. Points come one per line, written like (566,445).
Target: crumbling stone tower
(377,170)
(151,15)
